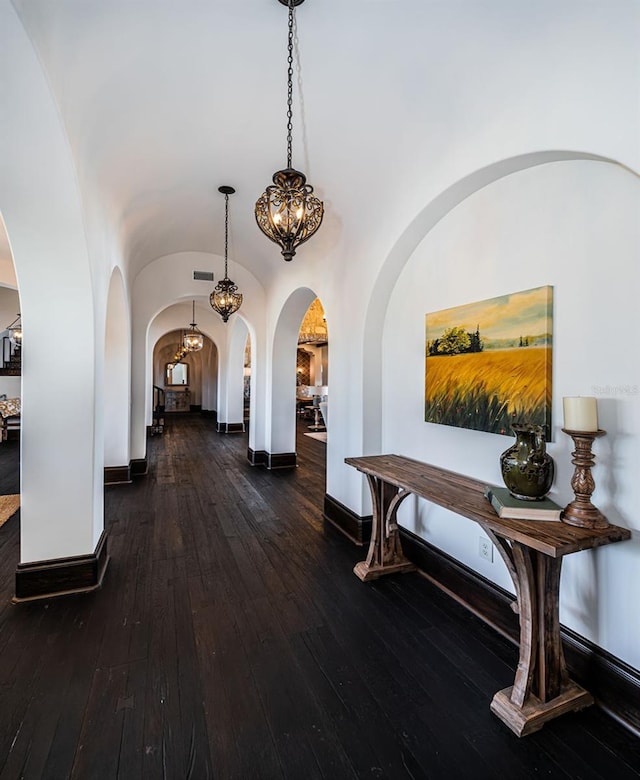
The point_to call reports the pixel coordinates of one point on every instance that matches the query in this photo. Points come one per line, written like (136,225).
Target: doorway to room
(312,375)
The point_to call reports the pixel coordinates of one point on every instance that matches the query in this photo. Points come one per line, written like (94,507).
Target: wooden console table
(532,551)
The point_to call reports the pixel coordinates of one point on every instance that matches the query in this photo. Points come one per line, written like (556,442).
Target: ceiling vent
(203,276)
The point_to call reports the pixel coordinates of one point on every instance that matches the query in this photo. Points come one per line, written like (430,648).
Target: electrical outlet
(485,549)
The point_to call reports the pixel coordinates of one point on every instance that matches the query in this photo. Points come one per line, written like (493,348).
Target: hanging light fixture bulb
(193,340)
(225,299)
(288,212)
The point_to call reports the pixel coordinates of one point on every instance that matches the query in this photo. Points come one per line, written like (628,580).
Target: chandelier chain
(226,232)
(290,85)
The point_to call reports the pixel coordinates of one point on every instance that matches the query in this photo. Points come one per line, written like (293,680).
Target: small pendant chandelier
(288,212)
(225,299)
(15,331)
(193,340)
(181,352)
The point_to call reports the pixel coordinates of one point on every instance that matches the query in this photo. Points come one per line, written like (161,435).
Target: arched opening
(183,383)
(164,340)
(287,397)
(416,230)
(312,372)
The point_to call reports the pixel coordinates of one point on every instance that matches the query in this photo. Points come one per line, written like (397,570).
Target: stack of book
(505,505)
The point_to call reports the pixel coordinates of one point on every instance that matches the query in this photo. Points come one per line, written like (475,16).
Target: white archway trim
(174,319)
(156,288)
(404,247)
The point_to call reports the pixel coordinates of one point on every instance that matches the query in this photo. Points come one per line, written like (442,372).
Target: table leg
(385,550)
(542,689)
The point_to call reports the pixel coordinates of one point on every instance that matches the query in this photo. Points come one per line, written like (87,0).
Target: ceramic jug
(527,468)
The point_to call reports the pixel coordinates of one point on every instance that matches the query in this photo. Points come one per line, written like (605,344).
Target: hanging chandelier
(193,340)
(15,331)
(288,212)
(180,354)
(225,299)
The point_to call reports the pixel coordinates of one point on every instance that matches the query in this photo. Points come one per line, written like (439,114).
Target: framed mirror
(176,374)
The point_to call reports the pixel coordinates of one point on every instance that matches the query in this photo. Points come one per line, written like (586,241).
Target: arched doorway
(312,373)
(284,386)
(188,382)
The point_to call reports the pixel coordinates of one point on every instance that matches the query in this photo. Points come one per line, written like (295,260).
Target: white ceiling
(165,100)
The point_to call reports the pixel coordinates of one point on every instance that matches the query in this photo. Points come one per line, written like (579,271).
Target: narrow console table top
(465,496)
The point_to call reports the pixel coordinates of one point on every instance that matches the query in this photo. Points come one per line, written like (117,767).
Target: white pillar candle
(580,414)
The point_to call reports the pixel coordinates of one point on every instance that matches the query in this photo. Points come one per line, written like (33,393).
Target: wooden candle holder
(581,511)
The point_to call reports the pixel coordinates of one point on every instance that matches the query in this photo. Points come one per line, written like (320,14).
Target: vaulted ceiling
(165,100)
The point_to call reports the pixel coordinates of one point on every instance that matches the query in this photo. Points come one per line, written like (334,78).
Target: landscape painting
(488,364)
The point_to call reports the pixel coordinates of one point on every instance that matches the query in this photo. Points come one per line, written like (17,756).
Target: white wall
(462,92)
(573,225)
(41,207)
(231,384)
(117,375)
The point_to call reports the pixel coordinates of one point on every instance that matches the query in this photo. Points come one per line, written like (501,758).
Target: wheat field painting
(488,364)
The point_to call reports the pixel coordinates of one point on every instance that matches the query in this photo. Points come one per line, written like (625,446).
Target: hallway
(231,640)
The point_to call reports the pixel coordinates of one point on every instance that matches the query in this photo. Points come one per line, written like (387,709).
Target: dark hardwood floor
(232,640)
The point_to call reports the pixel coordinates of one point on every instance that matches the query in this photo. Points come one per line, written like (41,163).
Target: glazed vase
(527,468)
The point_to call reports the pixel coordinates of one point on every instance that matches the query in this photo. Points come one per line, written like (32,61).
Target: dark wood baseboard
(230,427)
(257,457)
(195,408)
(117,475)
(63,576)
(139,467)
(280,460)
(210,413)
(614,684)
(354,527)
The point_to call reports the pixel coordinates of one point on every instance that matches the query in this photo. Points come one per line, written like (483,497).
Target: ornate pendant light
(193,340)
(226,299)
(288,212)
